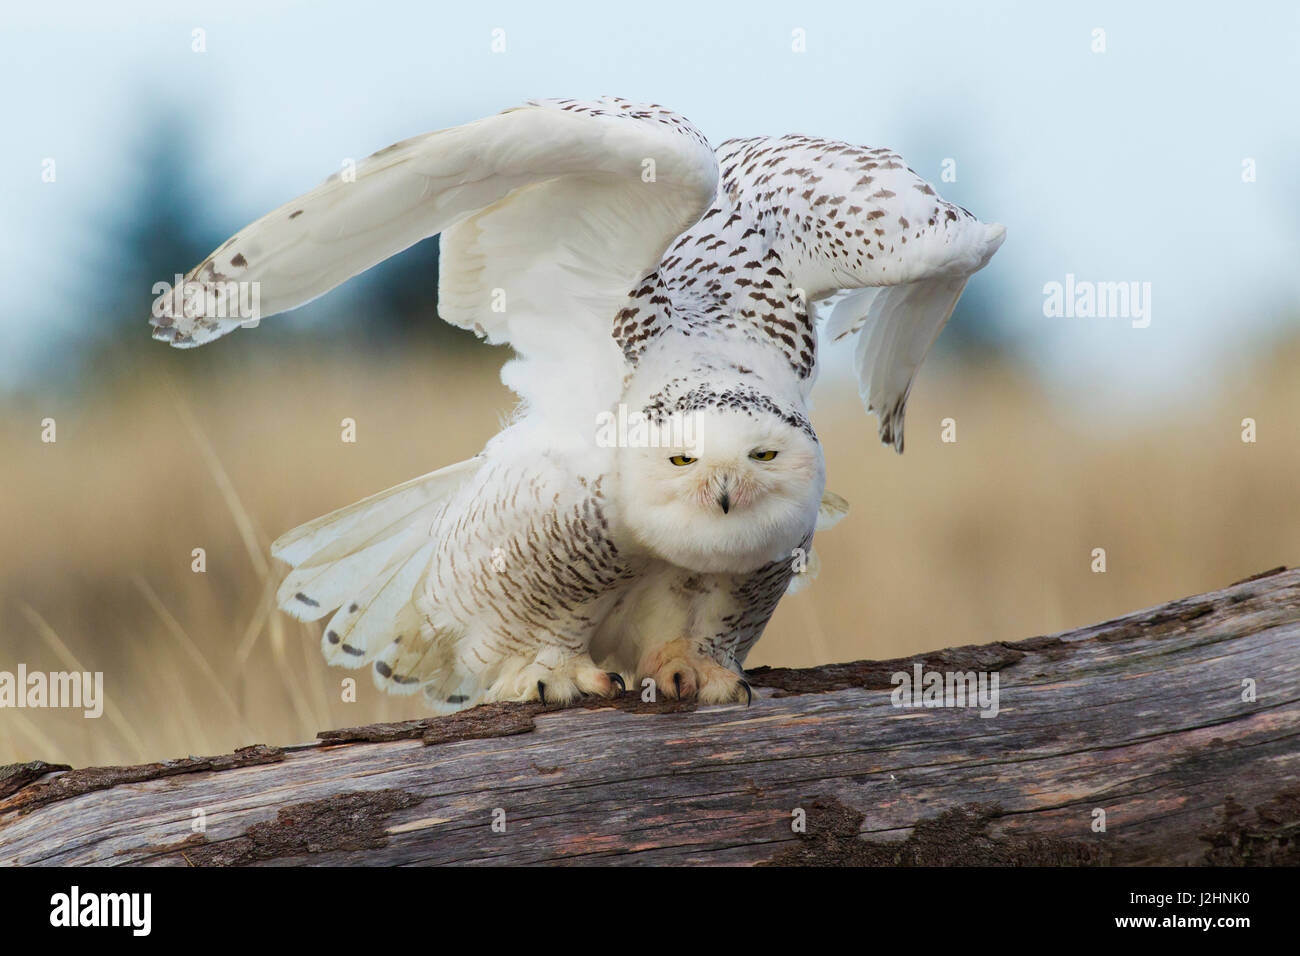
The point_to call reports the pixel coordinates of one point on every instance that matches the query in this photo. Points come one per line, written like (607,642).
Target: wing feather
(850,228)
(551,212)
(342,554)
(896,332)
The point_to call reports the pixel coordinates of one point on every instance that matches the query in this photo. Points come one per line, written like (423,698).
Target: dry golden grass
(989,538)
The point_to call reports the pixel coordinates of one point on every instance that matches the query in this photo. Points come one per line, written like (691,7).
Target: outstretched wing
(800,220)
(551,212)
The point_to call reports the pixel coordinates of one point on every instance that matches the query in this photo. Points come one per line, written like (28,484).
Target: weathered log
(1147,723)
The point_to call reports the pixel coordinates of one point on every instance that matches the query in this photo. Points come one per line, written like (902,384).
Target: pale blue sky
(1123,165)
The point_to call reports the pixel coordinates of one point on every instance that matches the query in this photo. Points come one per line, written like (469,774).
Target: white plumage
(630,268)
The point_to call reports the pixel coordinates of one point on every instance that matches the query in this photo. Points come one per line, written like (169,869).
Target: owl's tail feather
(367,561)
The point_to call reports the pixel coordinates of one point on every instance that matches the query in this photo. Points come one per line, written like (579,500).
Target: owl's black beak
(724,499)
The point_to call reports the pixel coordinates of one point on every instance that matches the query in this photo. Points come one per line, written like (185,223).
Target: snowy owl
(657,490)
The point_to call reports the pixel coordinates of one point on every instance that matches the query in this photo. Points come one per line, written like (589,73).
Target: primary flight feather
(659,489)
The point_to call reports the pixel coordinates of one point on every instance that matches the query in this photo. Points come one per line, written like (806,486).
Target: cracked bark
(1144,719)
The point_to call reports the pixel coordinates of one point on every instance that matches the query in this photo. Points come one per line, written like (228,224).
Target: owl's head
(732,490)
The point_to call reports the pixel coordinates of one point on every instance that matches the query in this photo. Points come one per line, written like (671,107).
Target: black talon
(749,692)
(541,691)
(617,679)
(677,682)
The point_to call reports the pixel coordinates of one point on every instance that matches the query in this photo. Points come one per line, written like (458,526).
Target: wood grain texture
(1142,717)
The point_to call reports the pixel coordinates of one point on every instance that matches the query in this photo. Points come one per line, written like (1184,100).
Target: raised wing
(551,211)
(895,326)
(800,220)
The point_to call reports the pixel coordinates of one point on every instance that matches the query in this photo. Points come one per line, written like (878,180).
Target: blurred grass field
(989,538)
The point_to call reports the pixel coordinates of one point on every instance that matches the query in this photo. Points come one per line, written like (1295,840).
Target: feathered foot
(560,684)
(679,670)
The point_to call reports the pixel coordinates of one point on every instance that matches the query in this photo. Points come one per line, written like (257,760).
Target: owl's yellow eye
(762,455)
(681,459)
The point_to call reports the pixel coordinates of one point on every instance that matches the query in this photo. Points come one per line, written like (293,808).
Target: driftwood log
(1178,728)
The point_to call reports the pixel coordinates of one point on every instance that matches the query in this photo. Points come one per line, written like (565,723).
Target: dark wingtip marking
(383,669)
(457,699)
(239,260)
(331,637)
(354,651)
(306,600)
(295,214)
